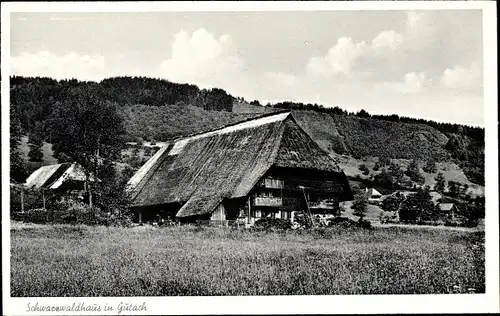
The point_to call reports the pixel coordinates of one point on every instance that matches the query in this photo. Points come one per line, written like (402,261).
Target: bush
(272,223)
(363,223)
(387,218)
(37,216)
(302,219)
(364,169)
(345,222)
(76,213)
(460,222)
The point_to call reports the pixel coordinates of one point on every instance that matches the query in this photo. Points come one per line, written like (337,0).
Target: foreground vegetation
(64,260)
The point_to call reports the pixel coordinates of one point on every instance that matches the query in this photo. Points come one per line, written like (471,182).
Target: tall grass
(97,261)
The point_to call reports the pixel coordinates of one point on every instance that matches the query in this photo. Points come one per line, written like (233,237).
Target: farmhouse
(448,209)
(372,194)
(65,176)
(66,179)
(264,167)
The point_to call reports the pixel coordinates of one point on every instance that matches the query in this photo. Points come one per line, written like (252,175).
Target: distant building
(264,167)
(67,179)
(65,176)
(448,209)
(372,194)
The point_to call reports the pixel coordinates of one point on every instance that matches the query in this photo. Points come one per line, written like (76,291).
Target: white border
(368,304)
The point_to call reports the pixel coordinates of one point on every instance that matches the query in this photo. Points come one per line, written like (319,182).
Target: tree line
(35,99)
(465,144)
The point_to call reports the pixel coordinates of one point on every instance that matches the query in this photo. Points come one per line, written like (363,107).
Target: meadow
(64,260)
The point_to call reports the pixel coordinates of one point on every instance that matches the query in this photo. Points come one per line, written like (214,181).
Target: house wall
(219,214)
(282,188)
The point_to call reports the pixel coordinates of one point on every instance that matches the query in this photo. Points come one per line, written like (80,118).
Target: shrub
(430,166)
(272,223)
(139,141)
(364,169)
(302,219)
(363,223)
(37,216)
(345,222)
(359,206)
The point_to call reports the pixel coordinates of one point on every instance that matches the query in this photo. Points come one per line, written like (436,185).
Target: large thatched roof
(54,176)
(200,170)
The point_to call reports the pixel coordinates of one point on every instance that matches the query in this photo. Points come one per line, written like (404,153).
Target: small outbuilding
(448,209)
(65,176)
(372,194)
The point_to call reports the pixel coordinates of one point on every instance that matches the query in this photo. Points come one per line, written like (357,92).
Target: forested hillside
(392,136)
(368,137)
(34,98)
(160,110)
(170,121)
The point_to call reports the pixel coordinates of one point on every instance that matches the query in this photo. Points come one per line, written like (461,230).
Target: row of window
(274,215)
(272,183)
(265,194)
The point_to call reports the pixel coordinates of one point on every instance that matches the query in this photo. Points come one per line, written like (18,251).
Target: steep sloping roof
(201,170)
(372,192)
(54,176)
(446,206)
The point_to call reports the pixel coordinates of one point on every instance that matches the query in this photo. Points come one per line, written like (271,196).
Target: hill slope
(166,122)
(368,137)
(359,137)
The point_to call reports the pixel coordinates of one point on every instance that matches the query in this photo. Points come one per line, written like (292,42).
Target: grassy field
(64,260)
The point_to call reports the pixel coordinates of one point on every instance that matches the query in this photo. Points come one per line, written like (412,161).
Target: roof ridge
(229,125)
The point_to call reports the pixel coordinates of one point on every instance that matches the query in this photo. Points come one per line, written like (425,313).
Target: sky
(424,64)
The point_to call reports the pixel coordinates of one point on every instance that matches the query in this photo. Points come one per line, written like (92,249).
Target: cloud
(412,83)
(339,58)
(421,45)
(387,40)
(467,78)
(47,64)
(201,58)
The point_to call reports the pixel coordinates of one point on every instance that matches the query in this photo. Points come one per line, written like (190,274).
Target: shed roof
(54,176)
(446,206)
(372,192)
(202,169)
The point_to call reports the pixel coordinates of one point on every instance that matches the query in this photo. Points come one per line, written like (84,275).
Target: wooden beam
(249,209)
(22,200)
(44,208)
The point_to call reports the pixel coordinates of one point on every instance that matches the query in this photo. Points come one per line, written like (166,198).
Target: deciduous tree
(419,207)
(17,166)
(87,129)
(359,206)
(440,185)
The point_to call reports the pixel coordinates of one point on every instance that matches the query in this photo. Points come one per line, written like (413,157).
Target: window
(272,183)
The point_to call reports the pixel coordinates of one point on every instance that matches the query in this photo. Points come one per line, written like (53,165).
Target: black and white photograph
(249,158)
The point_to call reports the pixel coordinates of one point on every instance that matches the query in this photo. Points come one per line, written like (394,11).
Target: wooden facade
(281,193)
